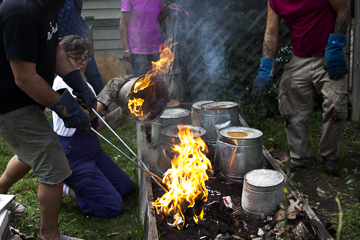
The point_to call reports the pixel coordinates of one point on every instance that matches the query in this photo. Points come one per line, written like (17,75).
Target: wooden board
(109,67)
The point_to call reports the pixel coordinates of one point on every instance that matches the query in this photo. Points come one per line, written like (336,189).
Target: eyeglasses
(81,60)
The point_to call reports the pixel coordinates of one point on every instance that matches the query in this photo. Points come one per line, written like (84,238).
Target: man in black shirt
(30,55)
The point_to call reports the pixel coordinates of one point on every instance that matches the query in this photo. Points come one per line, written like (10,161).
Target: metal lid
(219,105)
(175,113)
(264,178)
(240,133)
(173,131)
(197,105)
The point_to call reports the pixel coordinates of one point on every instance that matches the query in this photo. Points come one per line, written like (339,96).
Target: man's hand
(81,90)
(70,111)
(264,78)
(334,61)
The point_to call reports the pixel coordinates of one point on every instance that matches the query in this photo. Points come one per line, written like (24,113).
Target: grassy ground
(71,220)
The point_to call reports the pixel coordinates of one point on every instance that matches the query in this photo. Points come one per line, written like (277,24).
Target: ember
(185,180)
(162,66)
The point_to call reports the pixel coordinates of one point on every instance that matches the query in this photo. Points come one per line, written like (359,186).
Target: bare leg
(14,171)
(50,200)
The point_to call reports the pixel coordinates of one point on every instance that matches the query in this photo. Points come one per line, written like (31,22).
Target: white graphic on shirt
(53,30)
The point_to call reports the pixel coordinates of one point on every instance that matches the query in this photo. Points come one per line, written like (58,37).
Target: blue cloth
(98,182)
(334,61)
(70,22)
(141,63)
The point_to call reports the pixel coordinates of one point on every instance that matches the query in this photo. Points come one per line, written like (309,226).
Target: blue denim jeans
(93,76)
(141,63)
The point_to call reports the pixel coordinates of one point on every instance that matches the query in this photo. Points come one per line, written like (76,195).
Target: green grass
(72,221)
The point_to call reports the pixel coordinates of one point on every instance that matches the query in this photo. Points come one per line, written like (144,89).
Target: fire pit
(221,220)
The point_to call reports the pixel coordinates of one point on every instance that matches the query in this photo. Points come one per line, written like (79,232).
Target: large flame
(160,67)
(186,179)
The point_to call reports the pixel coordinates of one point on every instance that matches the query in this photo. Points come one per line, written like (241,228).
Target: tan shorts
(28,133)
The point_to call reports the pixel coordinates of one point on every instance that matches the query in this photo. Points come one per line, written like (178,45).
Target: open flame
(160,67)
(185,180)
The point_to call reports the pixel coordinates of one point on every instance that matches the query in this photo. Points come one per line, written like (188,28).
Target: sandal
(331,165)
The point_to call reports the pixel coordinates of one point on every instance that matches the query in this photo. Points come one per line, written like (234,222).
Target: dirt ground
(320,188)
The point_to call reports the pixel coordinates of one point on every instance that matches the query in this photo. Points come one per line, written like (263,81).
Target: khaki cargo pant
(303,75)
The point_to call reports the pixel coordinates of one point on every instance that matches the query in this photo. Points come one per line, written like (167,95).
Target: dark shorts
(28,133)
(141,63)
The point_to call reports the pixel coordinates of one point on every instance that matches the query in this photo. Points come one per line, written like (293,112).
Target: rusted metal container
(263,190)
(238,150)
(171,116)
(195,112)
(168,138)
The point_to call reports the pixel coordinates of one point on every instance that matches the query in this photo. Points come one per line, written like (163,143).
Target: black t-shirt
(28,31)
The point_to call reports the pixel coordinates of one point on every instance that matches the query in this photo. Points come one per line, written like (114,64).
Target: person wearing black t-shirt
(30,56)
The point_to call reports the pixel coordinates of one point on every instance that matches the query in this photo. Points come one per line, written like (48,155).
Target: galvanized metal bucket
(195,112)
(263,190)
(238,150)
(168,138)
(216,116)
(171,116)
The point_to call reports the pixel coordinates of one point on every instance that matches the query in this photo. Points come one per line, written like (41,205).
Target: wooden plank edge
(321,232)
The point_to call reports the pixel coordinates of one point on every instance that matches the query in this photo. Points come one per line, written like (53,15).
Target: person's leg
(93,75)
(117,177)
(295,105)
(99,197)
(334,115)
(49,200)
(138,64)
(14,171)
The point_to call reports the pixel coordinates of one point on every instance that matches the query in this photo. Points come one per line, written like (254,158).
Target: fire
(185,179)
(160,67)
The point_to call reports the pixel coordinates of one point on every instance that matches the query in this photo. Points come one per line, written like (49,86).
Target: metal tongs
(143,167)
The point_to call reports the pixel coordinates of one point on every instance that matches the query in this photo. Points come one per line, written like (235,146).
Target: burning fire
(160,67)
(185,180)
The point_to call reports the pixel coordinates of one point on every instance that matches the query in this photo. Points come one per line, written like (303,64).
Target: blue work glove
(67,108)
(81,90)
(264,78)
(334,61)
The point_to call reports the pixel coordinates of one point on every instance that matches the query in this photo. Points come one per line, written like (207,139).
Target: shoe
(292,167)
(331,165)
(62,237)
(17,209)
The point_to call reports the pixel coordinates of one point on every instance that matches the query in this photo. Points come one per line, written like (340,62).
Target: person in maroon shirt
(317,36)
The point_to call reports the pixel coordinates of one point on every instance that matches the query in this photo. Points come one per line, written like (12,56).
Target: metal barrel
(171,116)
(263,190)
(238,150)
(196,112)
(169,138)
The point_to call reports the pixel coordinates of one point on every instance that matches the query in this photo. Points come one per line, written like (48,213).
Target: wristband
(127,50)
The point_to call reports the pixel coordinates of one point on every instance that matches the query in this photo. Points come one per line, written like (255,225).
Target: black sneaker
(331,165)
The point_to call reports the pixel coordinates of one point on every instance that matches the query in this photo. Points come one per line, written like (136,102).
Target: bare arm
(28,80)
(123,28)
(271,37)
(63,64)
(343,15)
(166,11)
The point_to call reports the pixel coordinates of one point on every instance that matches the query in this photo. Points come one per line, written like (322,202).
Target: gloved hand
(81,90)
(111,89)
(70,111)
(264,78)
(116,117)
(334,61)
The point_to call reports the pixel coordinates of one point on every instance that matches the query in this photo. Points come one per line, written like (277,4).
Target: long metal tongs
(144,167)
